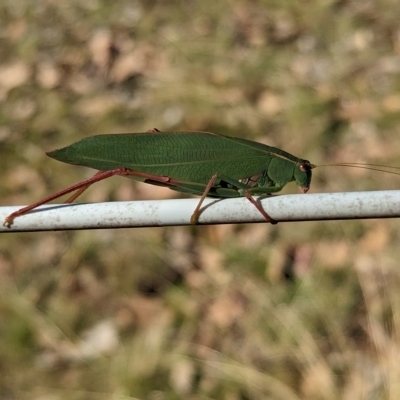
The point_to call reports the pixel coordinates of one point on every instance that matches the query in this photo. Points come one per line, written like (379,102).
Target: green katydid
(200,163)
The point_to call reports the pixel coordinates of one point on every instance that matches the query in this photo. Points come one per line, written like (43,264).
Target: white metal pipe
(282,208)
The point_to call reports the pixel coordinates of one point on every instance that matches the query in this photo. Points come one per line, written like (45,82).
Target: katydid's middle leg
(195,216)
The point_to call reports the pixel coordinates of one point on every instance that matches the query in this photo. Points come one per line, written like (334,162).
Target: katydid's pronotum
(200,163)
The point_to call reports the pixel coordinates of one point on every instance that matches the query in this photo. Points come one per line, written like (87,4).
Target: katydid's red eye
(305,166)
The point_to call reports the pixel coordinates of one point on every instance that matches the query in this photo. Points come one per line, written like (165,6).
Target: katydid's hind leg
(80,191)
(259,208)
(196,213)
(81,185)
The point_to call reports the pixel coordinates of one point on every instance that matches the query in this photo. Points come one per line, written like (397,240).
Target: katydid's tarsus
(199,163)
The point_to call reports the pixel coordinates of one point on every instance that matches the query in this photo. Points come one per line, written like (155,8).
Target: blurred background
(241,312)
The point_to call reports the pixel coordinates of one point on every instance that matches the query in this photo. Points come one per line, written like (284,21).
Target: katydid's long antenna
(134,214)
(371,167)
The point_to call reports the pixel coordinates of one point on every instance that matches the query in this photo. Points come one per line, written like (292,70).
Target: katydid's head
(302,174)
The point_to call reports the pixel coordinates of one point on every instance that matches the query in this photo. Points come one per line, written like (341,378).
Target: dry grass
(292,311)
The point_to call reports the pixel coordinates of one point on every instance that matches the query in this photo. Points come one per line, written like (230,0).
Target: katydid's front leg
(262,190)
